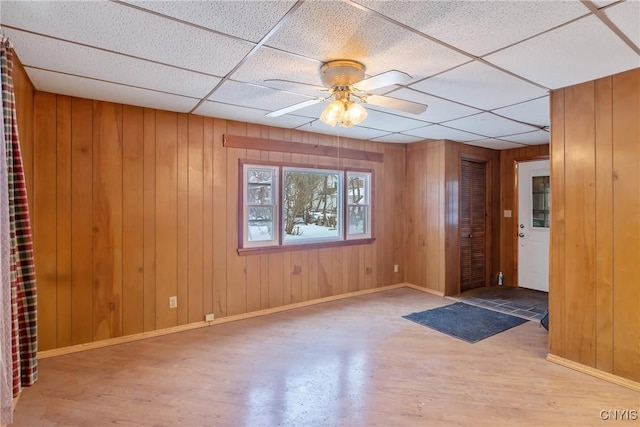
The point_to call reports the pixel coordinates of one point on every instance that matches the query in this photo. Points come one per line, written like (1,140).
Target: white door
(534,204)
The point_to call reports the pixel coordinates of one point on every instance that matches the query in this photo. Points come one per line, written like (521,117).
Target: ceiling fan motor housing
(341,73)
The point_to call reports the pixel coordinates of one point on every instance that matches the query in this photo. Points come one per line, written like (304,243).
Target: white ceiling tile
(481,86)
(582,51)
(250,20)
(602,3)
(438,109)
(327,30)
(269,63)
(358,132)
(85,88)
(398,138)
(246,114)
(390,122)
(479,27)
(536,137)
(495,144)
(442,132)
(54,55)
(123,29)
(251,96)
(488,124)
(535,111)
(626,16)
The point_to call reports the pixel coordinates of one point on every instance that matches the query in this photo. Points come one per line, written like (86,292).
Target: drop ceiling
(484,68)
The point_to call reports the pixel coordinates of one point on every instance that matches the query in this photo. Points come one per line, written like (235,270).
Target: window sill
(303,247)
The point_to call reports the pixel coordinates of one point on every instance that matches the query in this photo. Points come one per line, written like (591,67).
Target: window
(358,205)
(541,201)
(260,213)
(290,205)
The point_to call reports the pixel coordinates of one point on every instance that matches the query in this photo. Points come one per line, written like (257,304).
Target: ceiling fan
(348,89)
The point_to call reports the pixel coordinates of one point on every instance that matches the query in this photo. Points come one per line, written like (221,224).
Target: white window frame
(367,204)
(277,204)
(275,197)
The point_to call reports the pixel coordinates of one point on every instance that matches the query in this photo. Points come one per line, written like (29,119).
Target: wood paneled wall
(433,241)
(426,215)
(509,201)
(133,206)
(594,292)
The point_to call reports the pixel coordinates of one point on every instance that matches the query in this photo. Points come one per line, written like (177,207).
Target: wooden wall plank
(82,220)
(604,225)
(44,217)
(207,212)
(580,222)
(166,218)
(149,219)
(557,230)
(236,265)
(195,220)
(182,285)
(133,220)
(626,229)
(219,219)
(63,220)
(107,220)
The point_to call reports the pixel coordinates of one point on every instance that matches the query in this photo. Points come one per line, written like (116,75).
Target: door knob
(521,225)
(520,234)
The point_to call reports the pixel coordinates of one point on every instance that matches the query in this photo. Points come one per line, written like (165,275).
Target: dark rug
(466,322)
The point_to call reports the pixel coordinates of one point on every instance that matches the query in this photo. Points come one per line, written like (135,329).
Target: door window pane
(541,201)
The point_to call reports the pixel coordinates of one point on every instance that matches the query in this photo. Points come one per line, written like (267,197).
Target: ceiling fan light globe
(354,115)
(333,113)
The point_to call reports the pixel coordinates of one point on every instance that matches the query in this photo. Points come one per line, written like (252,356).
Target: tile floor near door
(521,302)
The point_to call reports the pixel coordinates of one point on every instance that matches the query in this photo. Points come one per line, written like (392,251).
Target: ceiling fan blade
(396,104)
(388,78)
(296,87)
(294,107)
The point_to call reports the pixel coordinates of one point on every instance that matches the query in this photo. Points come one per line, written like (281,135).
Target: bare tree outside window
(310,204)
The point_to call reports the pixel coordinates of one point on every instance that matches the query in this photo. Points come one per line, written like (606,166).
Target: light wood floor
(353,362)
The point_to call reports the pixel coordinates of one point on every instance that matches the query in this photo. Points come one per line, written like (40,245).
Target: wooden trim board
(594,372)
(235,141)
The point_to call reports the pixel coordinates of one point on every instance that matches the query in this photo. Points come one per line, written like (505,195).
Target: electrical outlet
(173,302)
(209,317)
(395,268)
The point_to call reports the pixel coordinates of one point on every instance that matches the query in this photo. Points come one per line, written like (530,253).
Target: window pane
(310,205)
(357,188)
(260,224)
(358,219)
(259,185)
(540,205)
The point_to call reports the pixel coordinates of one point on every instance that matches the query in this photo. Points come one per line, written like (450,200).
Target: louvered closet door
(472,225)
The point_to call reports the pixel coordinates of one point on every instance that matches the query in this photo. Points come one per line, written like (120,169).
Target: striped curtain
(6,367)
(21,263)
